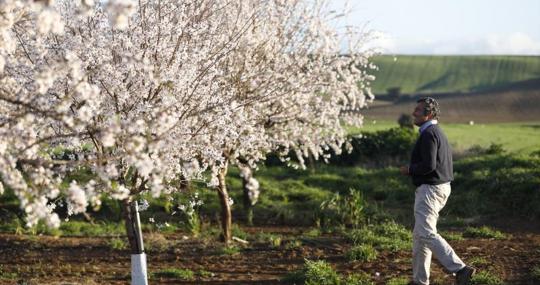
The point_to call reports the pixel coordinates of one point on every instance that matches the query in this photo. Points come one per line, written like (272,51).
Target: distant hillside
(452,74)
(516,104)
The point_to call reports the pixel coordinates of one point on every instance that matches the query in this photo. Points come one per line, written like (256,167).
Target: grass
(535,273)
(385,236)
(398,281)
(436,74)
(83,228)
(478,261)
(228,250)
(364,253)
(486,278)
(321,273)
(483,232)
(176,273)
(7,275)
(204,274)
(157,242)
(451,235)
(293,244)
(274,240)
(514,137)
(117,243)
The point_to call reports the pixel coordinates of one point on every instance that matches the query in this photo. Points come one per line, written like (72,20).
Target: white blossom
(169,89)
(50,21)
(77,201)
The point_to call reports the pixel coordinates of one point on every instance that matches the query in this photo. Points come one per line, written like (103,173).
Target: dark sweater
(431,159)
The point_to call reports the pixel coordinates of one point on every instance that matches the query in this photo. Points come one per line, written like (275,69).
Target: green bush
(483,232)
(314,273)
(365,253)
(343,210)
(382,148)
(496,185)
(406,121)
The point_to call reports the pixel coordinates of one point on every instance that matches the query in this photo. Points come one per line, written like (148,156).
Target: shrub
(483,232)
(364,253)
(406,121)
(382,148)
(314,273)
(343,210)
(496,185)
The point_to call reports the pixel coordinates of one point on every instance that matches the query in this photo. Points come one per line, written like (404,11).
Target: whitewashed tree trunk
(139,272)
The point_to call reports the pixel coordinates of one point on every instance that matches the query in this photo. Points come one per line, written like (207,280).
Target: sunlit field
(514,137)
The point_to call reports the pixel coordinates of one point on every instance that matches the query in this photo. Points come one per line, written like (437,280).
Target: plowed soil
(82,260)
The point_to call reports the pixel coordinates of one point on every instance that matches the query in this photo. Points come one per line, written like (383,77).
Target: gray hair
(431,106)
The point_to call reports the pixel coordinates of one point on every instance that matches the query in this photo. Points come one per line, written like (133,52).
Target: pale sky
(450,26)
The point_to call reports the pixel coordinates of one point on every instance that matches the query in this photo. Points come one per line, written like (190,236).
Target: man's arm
(428,154)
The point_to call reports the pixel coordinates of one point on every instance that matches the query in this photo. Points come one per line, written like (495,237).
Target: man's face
(418,114)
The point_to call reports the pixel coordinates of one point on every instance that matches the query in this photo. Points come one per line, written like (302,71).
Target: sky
(449,26)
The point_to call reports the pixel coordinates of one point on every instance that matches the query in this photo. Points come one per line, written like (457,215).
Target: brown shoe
(464,275)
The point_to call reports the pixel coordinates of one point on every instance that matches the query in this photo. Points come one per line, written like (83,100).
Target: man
(431,171)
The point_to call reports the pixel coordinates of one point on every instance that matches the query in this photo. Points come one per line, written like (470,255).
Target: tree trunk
(127,213)
(134,234)
(226,217)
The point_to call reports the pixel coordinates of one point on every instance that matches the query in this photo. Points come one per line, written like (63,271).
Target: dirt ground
(74,260)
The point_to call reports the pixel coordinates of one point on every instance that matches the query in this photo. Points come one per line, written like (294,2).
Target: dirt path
(73,260)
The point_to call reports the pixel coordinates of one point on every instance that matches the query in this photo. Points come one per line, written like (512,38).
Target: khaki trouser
(429,200)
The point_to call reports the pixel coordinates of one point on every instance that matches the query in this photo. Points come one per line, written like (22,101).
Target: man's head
(426,109)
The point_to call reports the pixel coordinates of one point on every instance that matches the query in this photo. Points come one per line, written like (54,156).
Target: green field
(441,74)
(514,137)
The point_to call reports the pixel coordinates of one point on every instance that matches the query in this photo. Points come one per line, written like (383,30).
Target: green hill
(449,74)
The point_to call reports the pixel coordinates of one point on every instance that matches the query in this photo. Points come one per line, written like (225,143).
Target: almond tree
(294,88)
(140,93)
(132,102)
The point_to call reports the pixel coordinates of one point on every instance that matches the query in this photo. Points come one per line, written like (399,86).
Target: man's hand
(404,170)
